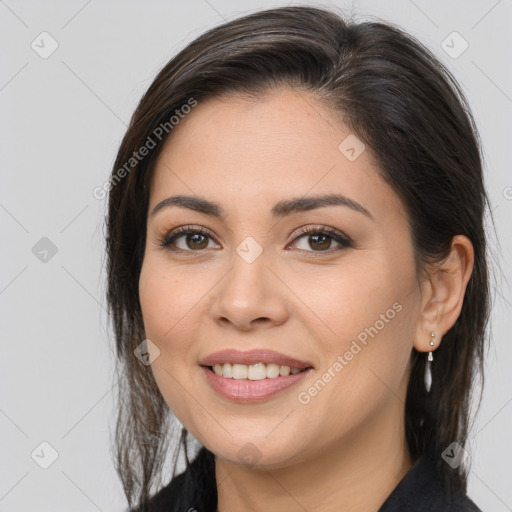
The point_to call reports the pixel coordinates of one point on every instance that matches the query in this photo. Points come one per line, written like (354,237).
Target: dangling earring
(428,370)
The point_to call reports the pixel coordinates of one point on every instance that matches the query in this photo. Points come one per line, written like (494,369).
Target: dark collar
(422,490)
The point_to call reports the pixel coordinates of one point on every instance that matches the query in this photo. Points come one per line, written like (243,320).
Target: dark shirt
(420,490)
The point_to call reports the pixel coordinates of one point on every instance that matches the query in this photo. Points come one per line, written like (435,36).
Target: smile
(247,390)
(258,371)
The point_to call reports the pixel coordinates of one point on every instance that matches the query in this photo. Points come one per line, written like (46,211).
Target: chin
(256,453)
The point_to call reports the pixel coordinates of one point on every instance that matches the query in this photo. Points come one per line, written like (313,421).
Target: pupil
(324,237)
(195,238)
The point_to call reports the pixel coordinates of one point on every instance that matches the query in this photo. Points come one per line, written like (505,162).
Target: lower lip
(250,391)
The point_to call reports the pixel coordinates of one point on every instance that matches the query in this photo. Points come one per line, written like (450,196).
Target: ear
(443,294)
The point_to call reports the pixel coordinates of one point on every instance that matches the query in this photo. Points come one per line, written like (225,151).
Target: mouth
(253,376)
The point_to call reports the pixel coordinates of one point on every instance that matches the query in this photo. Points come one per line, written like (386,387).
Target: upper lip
(255,356)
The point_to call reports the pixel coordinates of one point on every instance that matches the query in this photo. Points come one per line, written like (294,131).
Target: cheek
(173,301)
(369,313)
(165,300)
(352,300)
(365,361)
(166,296)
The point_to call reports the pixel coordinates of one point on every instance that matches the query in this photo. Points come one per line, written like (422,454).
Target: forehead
(284,144)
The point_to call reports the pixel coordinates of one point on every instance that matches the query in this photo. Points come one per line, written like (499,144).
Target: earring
(428,370)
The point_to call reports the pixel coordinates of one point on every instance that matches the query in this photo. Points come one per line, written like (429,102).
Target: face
(327,289)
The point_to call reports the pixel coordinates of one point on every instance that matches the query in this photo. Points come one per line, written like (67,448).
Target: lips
(247,391)
(255,388)
(252,357)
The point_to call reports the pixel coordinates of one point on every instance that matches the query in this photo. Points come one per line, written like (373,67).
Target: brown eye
(194,240)
(321,240)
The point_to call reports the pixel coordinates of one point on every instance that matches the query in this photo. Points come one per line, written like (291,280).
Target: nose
(250,295)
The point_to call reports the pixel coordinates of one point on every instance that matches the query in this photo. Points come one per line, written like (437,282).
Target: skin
(347,445)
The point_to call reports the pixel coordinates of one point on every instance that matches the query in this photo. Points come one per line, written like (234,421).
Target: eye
(194,239)
(320,238)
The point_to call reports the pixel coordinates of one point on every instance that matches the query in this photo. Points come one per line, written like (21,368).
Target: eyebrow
(279,210)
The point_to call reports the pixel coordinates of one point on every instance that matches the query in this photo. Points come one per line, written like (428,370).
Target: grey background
(62,119)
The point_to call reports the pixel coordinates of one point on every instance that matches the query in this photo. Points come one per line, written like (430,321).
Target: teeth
(240,371)
(272,371)
(227,371)
(258,371)
(284,371)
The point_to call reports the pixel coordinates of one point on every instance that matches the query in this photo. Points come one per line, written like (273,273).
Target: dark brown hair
(413,116)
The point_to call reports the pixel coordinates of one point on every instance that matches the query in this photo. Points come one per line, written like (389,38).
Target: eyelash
(345,242)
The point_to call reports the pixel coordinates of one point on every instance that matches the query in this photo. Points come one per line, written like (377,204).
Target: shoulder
(422,490)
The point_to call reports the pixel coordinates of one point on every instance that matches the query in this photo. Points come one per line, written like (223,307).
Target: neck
(356,474)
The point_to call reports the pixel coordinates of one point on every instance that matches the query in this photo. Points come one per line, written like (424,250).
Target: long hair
(408,110)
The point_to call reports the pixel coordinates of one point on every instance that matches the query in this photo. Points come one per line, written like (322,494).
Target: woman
(297,272)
